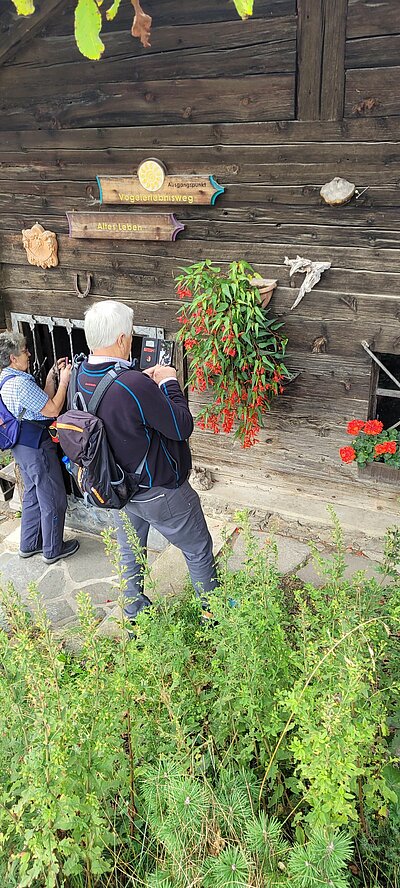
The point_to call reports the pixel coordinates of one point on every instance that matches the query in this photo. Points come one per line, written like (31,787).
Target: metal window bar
(384,392)
(67,324)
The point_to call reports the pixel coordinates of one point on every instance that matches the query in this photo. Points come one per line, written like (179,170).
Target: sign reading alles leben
(152,185)
(124,226)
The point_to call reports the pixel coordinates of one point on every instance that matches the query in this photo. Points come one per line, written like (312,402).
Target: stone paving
(90,570)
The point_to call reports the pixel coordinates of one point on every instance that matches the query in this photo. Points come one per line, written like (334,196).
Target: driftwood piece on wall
(312,271)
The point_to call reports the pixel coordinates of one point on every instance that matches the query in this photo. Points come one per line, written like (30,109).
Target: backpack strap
(75,399)
(99,393)
(3,381)
(103,385)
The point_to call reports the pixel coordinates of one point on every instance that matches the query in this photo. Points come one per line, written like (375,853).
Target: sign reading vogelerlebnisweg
(153,186)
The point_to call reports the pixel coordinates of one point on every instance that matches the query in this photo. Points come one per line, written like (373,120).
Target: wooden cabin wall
(273,107)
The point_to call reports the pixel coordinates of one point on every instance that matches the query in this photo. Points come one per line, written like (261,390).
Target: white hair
(105,321)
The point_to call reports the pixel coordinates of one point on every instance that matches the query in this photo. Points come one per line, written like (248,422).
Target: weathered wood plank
(333,60)
(19,196)
(375,52)
(372,91)
(366,164)
(309,59)
(169,13)
(247,233)
(309,413)
(272,42)
(343,294)
(43,302)
(284,132)
(22,28)
(258,216)
(265,97)
(97,255)
(262,465)
(320,59)
(367,18)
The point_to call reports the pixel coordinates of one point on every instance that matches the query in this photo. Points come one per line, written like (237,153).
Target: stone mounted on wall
(337,192)
(41,246)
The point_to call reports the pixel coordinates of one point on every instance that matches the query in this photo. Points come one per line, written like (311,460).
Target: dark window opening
(385,394)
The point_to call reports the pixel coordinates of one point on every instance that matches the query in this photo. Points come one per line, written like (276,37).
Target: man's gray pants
(44,502)
(178,516)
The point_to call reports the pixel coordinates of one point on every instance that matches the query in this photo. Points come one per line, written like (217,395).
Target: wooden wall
(273,107)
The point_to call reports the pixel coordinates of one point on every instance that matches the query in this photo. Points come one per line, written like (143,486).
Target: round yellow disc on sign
(151,174)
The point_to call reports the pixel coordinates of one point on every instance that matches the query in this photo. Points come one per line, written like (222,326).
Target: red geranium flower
(373,427)
(347,454)
(355,426)
(385,447)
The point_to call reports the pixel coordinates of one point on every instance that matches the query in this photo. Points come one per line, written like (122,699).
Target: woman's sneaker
(68,549)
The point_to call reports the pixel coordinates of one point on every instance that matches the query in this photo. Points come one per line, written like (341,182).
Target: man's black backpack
(83,439)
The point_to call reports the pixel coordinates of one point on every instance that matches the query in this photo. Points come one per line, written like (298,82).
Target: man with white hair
(147,422)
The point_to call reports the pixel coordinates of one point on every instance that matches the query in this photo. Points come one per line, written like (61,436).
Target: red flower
(355,426)
(183,292)
(373,427)
(347,454)
(385,447)
(189,343)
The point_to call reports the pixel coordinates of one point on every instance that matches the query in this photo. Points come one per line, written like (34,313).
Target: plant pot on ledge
(380,472)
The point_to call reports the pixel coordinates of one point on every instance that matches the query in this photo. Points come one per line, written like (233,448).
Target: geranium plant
(371,444)
(236,351)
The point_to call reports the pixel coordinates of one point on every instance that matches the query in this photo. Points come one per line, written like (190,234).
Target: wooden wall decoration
(124,226)
(152,185)
(41,246)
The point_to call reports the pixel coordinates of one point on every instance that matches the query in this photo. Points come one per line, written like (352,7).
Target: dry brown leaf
(141,26)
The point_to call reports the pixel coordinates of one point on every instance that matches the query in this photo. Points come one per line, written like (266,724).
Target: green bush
(260,749)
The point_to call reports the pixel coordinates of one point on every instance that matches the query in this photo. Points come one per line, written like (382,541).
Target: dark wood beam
(321,39)
(21,28)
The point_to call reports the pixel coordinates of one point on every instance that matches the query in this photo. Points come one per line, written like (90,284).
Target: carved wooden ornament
(41,246)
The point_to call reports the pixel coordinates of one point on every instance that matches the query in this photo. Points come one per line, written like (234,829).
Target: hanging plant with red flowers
(372,444)
(236,351)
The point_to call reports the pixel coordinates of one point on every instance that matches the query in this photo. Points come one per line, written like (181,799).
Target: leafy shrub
(260,750)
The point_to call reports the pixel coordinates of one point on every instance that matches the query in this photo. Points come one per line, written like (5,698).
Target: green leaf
(24,7)
(112,11)
(88,22)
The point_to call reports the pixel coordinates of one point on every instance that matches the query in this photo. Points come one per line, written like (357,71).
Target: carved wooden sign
(41,246)
(153,186)
(124,226)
